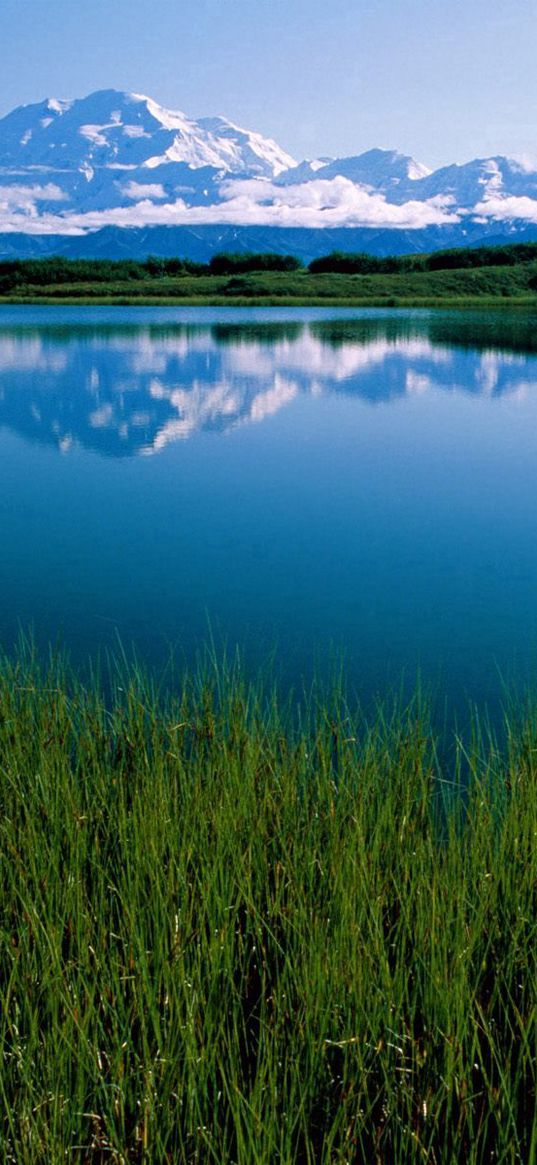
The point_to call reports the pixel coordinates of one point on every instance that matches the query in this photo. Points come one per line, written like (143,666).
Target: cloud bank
(337,202)
(507,208)
(320,203)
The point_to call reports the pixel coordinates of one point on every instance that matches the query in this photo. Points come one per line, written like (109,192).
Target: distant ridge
(201,243)
(119,171)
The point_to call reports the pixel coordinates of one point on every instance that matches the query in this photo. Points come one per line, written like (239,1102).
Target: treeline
(19,273)
(56,270)
(461,258)
(16,273)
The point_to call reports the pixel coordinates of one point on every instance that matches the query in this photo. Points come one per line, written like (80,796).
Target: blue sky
(444,80)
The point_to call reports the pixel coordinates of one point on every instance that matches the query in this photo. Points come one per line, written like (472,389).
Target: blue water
(302,482)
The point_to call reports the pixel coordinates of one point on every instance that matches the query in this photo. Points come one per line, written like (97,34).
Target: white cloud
(319,203)
(19,207)
(19,197)
(322,202)
(140,190)
(508,208)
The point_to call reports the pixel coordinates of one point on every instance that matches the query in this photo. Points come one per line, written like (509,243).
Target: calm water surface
(303,481)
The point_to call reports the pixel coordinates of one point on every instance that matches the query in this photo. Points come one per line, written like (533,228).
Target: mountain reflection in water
(126,389)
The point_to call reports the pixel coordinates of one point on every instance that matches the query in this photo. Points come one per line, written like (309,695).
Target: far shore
(482,277)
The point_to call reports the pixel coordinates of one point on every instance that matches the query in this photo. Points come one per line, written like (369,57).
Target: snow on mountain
(379,170)
(245,150)
(304,172)
(481,179)
(126,130)
(115,159)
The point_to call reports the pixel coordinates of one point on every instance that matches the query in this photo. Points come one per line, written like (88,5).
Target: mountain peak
(111,128)
(378,168)
(120,159)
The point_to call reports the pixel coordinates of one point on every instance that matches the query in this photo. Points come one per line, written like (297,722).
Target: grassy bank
(387,301)
(236,933)
(459,278)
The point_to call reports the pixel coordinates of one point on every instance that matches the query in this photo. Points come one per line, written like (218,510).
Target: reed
(240,930)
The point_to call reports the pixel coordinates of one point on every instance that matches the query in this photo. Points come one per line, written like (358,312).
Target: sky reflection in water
(361,482)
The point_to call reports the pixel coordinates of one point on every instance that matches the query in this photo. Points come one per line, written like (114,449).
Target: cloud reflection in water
(127,390)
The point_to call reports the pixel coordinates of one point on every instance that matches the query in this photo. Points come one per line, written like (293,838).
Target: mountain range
(116,174)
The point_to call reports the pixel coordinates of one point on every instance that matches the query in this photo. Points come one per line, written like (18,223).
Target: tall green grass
(235,930)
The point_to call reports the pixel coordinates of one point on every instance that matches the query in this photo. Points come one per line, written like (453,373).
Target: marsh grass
(239,930)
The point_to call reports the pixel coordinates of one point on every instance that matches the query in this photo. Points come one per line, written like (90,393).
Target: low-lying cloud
(143,190)
(24,199)
(335,202)
(507,208)
(320,203)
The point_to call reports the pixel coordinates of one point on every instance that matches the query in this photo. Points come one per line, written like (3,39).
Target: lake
(304,483)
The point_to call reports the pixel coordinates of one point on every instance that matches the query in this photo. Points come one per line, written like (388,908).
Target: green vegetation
(463,277)
(244,262)
(236,931)
(457,258)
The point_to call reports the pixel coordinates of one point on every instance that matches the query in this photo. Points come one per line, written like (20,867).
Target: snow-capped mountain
(483,180)
(379,170)
(125,131)
(117,160)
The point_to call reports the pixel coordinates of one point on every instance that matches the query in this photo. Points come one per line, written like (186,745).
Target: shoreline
(450,302)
